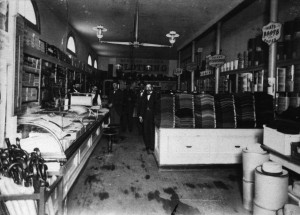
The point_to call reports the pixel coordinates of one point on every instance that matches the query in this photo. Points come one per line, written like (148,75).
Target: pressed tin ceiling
(156,18)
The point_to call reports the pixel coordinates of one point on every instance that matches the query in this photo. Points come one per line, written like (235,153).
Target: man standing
(128,108)
(115,103)
(139,100)
(147,117)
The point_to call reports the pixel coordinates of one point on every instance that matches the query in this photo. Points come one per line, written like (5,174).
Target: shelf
(32,70)
(261,67)
(284,160)
(36,53)
(244,70)
(288,62)
(30,86)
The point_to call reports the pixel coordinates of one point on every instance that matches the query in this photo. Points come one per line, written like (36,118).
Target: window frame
(90,56)
(37,26)
(95,61)
(68,50)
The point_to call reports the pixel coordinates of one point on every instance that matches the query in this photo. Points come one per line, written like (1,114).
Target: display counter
(192,147)
(65,139)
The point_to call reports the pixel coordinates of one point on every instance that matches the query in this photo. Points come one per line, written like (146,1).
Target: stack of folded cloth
(165,113)
(244,106)
(225,111)
(184,111)
(264,108)
(204,111)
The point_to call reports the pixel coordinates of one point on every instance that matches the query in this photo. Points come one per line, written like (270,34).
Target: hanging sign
(191,67)
(216,60)
(177,71)
(271,32)
(206,73)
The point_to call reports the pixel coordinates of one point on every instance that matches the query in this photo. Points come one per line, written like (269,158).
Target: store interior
(225,129)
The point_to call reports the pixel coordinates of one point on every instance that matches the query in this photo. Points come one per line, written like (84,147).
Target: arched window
(95,64)
(71,46)
(90,60)
(28,9)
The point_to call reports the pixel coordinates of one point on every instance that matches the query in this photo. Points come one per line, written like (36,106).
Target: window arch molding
(35,26)
(90,61)
(95,64)
(71,44)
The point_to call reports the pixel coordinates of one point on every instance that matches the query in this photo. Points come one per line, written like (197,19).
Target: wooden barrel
(248,194)
(271,191)
(253,158)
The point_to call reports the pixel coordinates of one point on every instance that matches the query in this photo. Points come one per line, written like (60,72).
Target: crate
(278,141)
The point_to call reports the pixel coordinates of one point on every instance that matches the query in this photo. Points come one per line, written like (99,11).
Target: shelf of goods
(66,139)
(30,79)
(206,129)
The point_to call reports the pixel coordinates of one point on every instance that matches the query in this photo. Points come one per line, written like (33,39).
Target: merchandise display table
(183,147)
(66,149)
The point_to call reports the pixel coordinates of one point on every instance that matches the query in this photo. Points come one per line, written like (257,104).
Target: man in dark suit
(115,103)
(146,116)
(139,99)
(128,108)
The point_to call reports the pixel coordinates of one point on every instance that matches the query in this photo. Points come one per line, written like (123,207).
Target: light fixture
(148,67)
(100,29)
(118,66)
(172,35)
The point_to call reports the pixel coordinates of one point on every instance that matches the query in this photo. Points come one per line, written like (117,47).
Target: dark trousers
(127,120)
(139,126)
(149,132)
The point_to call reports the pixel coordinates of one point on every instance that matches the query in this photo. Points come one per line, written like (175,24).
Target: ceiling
(189,18)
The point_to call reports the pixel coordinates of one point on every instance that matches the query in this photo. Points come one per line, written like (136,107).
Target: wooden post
(218,46)
(272,51)
(3,71)
(193,72)
(11,68)
(178,77)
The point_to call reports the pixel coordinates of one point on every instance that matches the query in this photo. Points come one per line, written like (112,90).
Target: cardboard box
(278,141)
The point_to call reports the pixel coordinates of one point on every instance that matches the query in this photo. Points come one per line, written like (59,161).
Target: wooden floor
(129,182)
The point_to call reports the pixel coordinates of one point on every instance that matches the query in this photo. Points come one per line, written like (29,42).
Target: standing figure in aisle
(128,108)
(115,103)
(139,100)
(146,116)
(96,96)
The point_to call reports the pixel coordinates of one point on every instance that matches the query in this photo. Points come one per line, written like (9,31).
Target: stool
(116,127)
(110,133)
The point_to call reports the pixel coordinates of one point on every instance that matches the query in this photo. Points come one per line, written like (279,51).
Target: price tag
(216,60)
(271,32)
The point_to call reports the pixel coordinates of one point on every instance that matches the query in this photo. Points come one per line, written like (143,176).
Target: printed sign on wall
(216,60)
(271,32)
(177,71)
(143,65)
